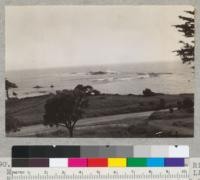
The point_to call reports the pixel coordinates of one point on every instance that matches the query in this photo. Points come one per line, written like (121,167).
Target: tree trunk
(7,94)
(71,132)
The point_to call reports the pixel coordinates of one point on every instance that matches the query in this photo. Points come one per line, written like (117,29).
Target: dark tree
(96,92)
(14,94)
(12,124)
(187,28)
(188,103)
(9,85)
(147,92)
(67,107)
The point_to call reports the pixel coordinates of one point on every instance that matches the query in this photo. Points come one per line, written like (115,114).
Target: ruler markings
(87,174)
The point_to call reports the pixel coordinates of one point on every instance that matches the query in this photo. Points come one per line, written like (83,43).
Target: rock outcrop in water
(97,72)
(37,87)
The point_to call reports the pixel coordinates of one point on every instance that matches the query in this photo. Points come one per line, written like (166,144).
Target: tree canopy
(187,28)
(9,85)
(67,107)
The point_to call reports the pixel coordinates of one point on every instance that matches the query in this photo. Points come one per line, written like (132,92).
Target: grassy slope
(119,104)
(30,111)
(178,123)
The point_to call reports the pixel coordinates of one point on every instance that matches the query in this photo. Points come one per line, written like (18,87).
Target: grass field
(30,111)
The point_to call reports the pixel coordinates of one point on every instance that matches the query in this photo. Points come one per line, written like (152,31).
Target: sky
(63,36)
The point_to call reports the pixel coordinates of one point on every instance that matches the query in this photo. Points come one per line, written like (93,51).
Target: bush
(171,110)
(147,92)
(96,92)
(162,103)
(187,103)
(12,124)
(179,105)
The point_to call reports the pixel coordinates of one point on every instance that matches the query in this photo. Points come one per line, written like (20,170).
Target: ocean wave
(151,75)
(126,79)
(111,72)
(78,73)
(110,79)
(144,76)
(71,74)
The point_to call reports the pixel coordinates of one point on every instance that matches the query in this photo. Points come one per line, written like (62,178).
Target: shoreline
(113,94)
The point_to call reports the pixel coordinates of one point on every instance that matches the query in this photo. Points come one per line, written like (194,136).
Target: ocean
(162,77)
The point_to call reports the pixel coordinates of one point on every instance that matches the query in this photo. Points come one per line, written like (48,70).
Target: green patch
(136,162)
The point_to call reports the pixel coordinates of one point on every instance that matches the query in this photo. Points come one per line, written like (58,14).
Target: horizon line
(90,65)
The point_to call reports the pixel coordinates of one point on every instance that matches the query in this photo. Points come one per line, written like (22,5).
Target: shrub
(9,85)
(12,124)
(171,110)
(179,105)
(187,103)
(147,92)
(96,92)
(162,103)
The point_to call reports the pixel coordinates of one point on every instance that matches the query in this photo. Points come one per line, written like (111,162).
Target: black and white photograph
(74,71)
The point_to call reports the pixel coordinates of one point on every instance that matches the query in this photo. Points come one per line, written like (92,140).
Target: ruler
(99,173)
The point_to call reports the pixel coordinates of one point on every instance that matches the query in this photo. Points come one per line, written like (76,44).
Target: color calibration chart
(99,156)
(100,162)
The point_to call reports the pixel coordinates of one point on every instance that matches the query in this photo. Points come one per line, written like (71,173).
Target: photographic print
(99,71)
